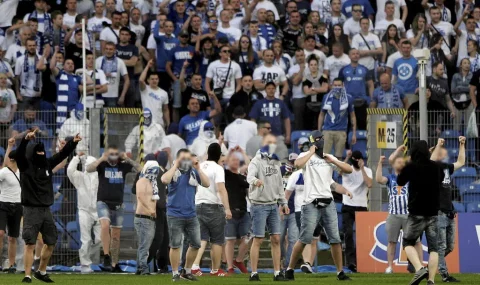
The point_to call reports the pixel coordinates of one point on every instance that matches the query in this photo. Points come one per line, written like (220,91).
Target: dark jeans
(299,106)
(348,215)
(361,115)
(159,248)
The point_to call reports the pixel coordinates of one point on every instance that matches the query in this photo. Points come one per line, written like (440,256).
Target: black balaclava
(214,152)
(419,152)
(38,159)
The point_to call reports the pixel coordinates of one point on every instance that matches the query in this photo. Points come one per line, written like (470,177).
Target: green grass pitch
(237,279)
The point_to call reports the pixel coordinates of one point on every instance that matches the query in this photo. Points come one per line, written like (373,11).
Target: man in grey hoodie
(266,190)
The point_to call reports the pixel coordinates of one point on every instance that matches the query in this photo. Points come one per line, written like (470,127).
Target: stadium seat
(452,154)
(459,207)
(295,136)
(129,207)
(464,176)
(451,138)
(73,236)
(470,193)
(361,143)
(473,207)
(470,149)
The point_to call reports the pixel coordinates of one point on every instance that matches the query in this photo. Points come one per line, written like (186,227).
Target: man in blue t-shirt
(165,43)
(333,119)
(274,111)
(405,70)
(190,124)
(178,14)
(358,83)
(182,180)
(388,95)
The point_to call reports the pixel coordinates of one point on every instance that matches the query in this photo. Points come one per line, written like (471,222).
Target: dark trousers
(159,248)
(348,216)
(361,115)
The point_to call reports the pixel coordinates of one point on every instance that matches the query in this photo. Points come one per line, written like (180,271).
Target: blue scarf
(47,22)
(109,65)
(395,97)
(36,87)
(265,154)
(329,98)
(4,67)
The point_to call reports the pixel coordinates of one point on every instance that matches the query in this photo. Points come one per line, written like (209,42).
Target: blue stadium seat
(385,171)
(73,236)
(473,207)
(452,154)
(361,143)
(470,149)
(295,136)
(129,207)
(451,138)
(128,221)
(459,207)
(470,193)
(2,151)
(464,176)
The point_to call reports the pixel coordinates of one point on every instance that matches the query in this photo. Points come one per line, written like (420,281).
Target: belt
(209,205)
(145,217)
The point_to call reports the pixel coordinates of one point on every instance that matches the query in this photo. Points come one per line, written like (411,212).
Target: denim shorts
(327,217)
(115,217)
(416,225)
(212,222)
(237,228)
(180,227)
(265,216)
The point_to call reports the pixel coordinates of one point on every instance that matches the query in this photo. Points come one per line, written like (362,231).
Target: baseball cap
(315,135)
(292,157)
(357,155)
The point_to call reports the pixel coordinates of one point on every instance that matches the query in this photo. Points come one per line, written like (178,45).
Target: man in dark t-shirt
(239,226)
(193,91)
(74,51)
(446,215)
(112,169)
(129,54)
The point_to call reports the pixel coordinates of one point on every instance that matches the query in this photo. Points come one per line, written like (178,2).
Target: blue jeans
(446,240)
(115,217)
(265,215)
(178,228)
(289,223)
(145,229)
(312,216)
(237,228)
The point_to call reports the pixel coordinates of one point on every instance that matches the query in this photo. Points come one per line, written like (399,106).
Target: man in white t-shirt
(95,23)
(71,14)
(267,72)
(351,27)
(15,50)
(463,36)
(259,43)
(154,97)
(233,34)
(382,25)
(225,74)
(367,44)
(446,14)
(442,27)
(358,183)
(238,132)
(335,62)
(318,205)
(212,208)
(399,4)
(114,68)
(111,33)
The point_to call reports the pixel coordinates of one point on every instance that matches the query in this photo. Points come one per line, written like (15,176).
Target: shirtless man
(147,196)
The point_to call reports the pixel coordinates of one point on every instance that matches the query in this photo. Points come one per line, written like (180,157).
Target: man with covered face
(153,134)
(145,214)
(318,206)
(112,169)
(37,197)
(182,179)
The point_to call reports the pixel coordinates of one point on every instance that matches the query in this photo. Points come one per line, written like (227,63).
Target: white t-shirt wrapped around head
(215,174)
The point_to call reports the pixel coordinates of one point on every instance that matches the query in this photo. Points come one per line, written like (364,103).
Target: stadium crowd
(224,86)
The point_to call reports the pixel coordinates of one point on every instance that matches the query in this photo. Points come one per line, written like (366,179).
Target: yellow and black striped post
(391,111)
(125,111)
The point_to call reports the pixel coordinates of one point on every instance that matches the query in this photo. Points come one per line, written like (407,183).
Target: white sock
(188,270)
(195,267)
(36,258)
(214,271)
(339,272)
(276,273)
(253,273)
(28,276)
(288,268)
(43,272)
(174,272)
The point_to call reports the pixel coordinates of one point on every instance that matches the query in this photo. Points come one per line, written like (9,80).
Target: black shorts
(416,226)
(10,218)
(38,220)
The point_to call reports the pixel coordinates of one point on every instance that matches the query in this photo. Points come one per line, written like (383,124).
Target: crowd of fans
(230,72)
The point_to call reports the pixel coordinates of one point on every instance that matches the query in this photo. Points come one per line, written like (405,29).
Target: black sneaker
(176,278)
(254,277)
(145,273)
(27,280)
(343,277)
(430,282)
(117,269)
(44,278)
(306,268)
(107,263)
(448,278)
(188,277)
(162,271)
(290,274)
(12,270)
(280,277)
(419,276)
(353,268)
(36,265)
(137,272)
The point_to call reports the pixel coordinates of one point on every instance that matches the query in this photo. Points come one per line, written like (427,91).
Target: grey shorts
(394,224)
(212,222)
(38,220)
(416,225)
(178,228)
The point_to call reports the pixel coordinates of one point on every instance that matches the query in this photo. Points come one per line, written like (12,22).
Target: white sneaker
(389,270)
(86,269)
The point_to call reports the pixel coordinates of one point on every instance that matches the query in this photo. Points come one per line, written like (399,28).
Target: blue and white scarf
(61,39)
(329,98)
(265,154)
(395,101)
(3,67)
(47,22)
(109,65)
(36,86)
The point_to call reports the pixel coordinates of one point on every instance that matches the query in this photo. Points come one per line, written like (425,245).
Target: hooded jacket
(424,177)
(153,137)
(36,176)
(202,142)
(268,171)
(86,184)
(73,126)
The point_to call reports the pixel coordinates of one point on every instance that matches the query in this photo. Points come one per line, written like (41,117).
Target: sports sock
(276,273)
(253,273)
(188,270)
(174,272)
(195,267)
(42,272)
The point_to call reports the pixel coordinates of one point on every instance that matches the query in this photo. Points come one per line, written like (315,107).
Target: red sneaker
(197,272)
(219,273)
(231,271)
(240,266)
